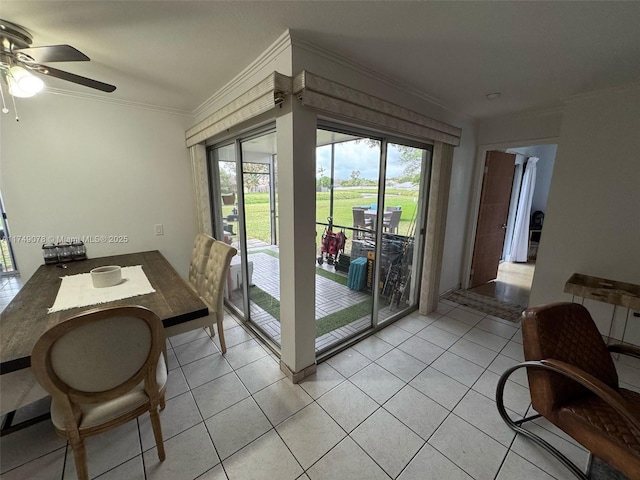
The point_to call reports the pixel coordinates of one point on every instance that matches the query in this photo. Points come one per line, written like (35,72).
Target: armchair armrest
(625,349)
(599,388)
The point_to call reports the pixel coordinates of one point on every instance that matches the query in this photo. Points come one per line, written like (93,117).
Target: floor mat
(487,305)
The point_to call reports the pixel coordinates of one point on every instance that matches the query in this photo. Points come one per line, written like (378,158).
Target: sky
(360,156)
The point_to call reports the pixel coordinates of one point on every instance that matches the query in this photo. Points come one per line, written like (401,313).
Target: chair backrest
(100,354)
(358,217)
(565,332)
(392,209)
(199,258)
(216,274)
(395,219)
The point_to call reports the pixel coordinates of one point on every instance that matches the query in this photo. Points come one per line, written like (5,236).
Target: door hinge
(486,170)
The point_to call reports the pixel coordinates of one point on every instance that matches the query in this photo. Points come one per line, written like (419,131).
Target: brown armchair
(574,385)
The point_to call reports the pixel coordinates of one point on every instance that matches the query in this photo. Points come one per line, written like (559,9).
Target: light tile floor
(413,402)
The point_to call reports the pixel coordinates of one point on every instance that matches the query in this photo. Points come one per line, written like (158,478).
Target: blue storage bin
(357,274)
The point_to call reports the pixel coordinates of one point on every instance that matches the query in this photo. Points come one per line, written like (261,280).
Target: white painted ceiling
(176,54)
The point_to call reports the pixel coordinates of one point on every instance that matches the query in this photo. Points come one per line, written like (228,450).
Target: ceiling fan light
(22,83)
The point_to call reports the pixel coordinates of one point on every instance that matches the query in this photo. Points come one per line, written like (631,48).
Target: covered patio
(340,312)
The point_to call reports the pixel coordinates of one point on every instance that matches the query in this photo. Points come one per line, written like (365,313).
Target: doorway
(504,270)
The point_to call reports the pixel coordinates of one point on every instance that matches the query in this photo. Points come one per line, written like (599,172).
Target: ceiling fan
(18,59)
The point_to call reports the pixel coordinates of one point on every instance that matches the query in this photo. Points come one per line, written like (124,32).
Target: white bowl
(106,276)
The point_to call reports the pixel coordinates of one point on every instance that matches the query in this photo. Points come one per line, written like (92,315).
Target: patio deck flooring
(331,297)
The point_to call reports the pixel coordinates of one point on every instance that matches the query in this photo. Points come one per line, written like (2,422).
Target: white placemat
(78,290)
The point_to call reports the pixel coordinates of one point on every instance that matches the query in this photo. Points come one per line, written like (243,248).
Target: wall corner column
(296,137)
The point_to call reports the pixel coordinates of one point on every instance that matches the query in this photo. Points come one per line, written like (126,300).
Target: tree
(227,178)
(323,181)
(255,175)
(411,158)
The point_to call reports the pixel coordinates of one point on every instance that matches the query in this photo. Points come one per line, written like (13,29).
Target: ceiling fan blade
(72,77)
(50,53)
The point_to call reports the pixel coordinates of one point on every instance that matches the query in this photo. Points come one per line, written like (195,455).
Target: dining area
(366,218)
(91,338)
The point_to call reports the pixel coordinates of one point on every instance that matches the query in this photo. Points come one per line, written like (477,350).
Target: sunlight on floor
(513,284)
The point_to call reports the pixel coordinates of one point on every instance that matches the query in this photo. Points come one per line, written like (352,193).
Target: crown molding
(119,102)
(276,48)
(598,93)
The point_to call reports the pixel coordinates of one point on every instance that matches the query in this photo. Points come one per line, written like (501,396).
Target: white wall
(592,224)
(520,128)
(75,166)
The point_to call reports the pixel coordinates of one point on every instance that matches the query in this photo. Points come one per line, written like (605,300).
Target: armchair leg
(517,425)
(223,345)
(80,457)
(157,432)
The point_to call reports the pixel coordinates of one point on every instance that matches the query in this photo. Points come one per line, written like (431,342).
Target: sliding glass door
(244,205)
(404,213)
(370,214)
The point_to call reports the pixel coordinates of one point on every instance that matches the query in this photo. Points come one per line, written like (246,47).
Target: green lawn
(258,216)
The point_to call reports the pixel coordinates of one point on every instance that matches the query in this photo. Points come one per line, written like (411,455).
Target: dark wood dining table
(26,318)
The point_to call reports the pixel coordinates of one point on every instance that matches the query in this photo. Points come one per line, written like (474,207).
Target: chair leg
(80,457)
(223,345)
(517,425)
(163,401)
(157,432)
(212,332)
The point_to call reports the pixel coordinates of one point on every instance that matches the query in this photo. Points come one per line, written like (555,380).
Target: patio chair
(574,385)
(102,369)
(391,224)
(360,220)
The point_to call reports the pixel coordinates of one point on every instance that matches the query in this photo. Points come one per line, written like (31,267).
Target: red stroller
(332,244)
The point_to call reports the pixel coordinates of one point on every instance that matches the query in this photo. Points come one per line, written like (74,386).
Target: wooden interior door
(492,216)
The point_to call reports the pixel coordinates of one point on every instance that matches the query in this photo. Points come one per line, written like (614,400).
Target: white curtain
(520,243)
(513,205)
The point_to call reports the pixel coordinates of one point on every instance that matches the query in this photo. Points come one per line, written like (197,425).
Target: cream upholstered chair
(211,285)
(199,258)
(215,276)
(102,368)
